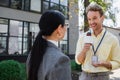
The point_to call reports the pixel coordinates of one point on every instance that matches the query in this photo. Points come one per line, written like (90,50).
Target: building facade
(19,24)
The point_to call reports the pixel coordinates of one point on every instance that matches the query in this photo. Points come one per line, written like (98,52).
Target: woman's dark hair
(49,21)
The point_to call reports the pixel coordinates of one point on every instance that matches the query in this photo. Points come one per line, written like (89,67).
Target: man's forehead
(93,13)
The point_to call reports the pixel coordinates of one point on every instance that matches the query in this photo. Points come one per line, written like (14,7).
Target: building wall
(10,13)
(26,15)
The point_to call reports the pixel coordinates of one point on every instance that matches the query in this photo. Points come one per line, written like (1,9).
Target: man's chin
(93,28)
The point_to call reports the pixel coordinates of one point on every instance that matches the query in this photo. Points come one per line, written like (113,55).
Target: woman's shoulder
(56,53)
(54,58)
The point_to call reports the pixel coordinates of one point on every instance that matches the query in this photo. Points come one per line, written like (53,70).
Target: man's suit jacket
(55,65)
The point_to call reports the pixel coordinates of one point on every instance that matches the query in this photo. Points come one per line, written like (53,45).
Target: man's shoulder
(111,35)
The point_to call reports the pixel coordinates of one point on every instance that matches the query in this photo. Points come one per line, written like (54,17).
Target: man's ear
(103,17)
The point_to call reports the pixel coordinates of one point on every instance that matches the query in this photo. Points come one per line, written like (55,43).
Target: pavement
(115,75)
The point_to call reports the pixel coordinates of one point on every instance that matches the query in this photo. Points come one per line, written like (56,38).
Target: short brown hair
(94,7)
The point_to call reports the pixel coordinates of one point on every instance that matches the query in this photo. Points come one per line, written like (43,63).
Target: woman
(46,61)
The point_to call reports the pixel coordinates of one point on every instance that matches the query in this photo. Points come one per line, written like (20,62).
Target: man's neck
(98,32)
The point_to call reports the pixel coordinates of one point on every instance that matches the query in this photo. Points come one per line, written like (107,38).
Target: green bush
(24,75)
(10,70)
(75,66)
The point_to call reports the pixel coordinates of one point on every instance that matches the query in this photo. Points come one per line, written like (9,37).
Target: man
(101,55)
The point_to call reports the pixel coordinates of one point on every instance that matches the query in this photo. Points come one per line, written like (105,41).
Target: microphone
(88,34)
(88,38)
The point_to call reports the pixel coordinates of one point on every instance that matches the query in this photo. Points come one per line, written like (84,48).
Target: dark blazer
(55,65)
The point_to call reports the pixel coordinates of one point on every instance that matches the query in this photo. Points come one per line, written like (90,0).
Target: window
(55,1)
(21,36)
(64,10)
(64,43)
(18,37)
(3,45)
(45,6)
(17,4)
(34,29)
(35,5)
(64,2)
(25,37)
(15,39)
(46,0)
(61,5)
(3,35)
(63,46)
(54,6)
(27,5)
(4,2)
(64,7)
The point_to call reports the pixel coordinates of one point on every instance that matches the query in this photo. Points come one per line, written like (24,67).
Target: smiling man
(101,55)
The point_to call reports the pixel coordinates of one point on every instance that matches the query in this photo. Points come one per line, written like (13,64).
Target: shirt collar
(100,33)
(54,42)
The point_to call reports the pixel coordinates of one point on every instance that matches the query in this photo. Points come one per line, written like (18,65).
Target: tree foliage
(101,3)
